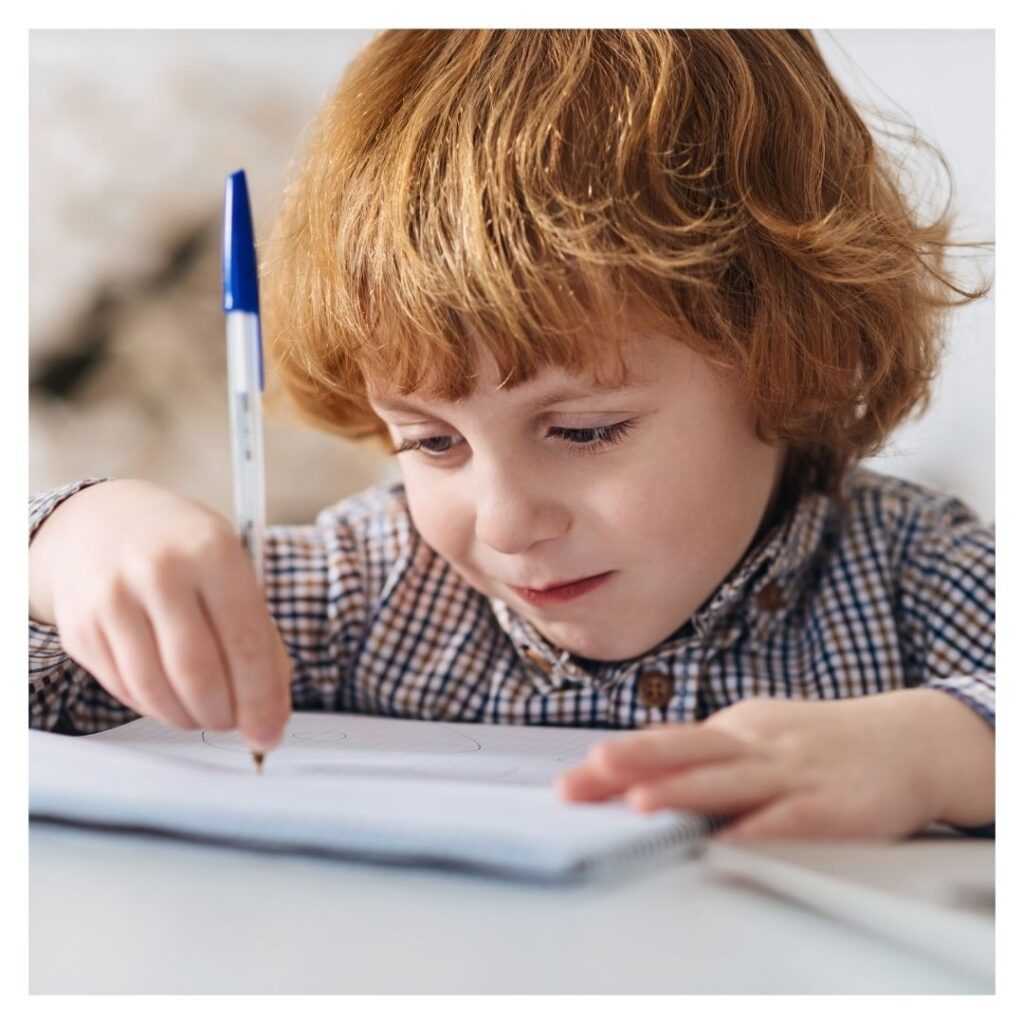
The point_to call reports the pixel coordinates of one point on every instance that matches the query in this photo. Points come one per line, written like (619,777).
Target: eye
(594,438)
(432,446)
(581,439)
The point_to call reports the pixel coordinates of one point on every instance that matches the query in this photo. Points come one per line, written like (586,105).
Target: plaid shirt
(889,585)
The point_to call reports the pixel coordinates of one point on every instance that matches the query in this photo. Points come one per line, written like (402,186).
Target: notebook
(475,796)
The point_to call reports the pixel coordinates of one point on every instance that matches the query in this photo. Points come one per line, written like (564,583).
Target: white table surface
(121,913)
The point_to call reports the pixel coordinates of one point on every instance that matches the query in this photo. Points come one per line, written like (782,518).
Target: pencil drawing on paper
(309,741)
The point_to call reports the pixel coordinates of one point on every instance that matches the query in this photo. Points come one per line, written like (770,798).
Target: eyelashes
(593,438)
(421,446)
(583,440)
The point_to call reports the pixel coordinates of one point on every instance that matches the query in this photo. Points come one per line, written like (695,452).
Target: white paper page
(477,795)
(323,744)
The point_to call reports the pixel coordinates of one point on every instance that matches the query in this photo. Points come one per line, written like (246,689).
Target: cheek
(732,463)
(745,475)
(700,500)
(720,513)
(438,515)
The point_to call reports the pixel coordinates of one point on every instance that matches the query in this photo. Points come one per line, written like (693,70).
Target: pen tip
(257,758)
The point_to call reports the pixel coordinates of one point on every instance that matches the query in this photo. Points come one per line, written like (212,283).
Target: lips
(550,586)
(557,593)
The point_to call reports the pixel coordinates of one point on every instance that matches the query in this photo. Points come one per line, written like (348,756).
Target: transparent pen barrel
(245,404)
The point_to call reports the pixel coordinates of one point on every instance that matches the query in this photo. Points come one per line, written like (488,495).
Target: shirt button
(538,659)
(770,598)
(655,689)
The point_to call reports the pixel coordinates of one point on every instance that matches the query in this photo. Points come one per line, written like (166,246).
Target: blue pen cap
(241,288)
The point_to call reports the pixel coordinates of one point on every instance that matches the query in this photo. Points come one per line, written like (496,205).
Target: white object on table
(935,894)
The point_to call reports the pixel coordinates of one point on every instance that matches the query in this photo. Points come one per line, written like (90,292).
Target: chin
(601,648)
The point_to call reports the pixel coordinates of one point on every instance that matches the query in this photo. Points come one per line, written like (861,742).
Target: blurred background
(131,134)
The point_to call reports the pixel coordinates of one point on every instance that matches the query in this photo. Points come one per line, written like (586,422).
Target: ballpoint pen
(245,374)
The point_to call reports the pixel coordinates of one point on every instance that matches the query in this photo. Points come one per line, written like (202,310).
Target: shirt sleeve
(314,584)
(947,605)
(63,696)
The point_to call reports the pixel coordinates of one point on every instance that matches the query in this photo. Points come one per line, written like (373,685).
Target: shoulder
(366,541)
(915,522)
(376,519)
(895,503)
(381,506)
(372,535)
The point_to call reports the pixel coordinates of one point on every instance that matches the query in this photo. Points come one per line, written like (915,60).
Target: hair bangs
(435,344)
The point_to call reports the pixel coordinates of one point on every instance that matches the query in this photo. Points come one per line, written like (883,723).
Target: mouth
(559,592)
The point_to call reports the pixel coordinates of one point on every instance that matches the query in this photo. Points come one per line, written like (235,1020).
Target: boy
(629,305)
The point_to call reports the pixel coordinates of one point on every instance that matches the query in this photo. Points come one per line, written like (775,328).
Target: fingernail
(637,799)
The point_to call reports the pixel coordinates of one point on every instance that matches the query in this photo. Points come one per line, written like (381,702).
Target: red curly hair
(518,187)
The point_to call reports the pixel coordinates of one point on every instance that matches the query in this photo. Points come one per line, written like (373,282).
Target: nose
(515,510)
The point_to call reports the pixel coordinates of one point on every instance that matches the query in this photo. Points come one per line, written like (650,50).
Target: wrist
(961,759)
(43,563)
(40,590)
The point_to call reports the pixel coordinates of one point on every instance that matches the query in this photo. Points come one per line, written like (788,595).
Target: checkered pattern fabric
(885,586)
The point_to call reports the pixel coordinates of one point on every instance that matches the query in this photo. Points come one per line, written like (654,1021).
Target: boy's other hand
(877,767)
(154,595)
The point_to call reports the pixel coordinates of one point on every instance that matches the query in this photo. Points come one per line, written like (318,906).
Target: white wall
(944,82)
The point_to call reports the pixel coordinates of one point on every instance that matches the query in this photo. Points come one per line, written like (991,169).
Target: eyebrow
(550,397)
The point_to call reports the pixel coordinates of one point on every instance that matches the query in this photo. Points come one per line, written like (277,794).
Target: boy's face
(510,488)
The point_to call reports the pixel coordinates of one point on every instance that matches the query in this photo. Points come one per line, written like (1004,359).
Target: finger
(583,782)
(801,816)
(725,788)
(192,659)
(284,667)
(613,766)
(111,678)
(649,753)
(245,631)
(132,645)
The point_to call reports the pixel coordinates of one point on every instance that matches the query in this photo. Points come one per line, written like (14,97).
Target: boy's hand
(870,767)
(154,595)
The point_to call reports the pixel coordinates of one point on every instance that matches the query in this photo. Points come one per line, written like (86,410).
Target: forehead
(644,361)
